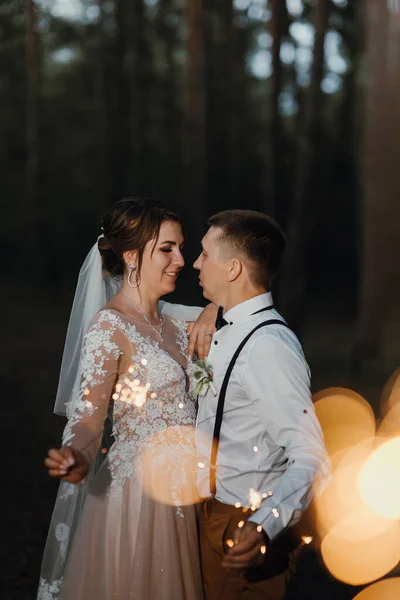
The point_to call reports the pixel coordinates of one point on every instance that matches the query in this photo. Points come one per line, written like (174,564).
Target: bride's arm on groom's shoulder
(278,381)
(102,351)
(200,325)
(180,312)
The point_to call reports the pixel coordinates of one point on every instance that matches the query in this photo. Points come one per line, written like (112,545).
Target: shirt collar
(248,307)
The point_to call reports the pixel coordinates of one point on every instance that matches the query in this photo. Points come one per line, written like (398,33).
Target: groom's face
(211,267)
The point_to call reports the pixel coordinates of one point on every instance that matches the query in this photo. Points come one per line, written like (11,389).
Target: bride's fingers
(55,455)
(52,464)
(189,327)
(192,341)
(63,458)
(57,473)
(207,343)
(200,344)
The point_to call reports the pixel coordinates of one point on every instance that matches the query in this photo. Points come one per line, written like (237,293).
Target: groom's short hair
(255,238)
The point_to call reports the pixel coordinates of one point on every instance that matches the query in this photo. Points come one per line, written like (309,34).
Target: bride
(124,523)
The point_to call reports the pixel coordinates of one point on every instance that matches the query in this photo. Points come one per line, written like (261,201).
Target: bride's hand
(66,464)
(201,332)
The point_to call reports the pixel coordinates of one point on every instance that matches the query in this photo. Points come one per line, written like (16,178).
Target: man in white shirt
(269,449)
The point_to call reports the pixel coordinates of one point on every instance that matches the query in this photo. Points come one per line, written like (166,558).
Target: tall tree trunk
(305,202)
(32,156)
(230,109)
(196,118)
(138,67)
(381,214)
(100,112)
(170,143)
(275,171)
(120,98)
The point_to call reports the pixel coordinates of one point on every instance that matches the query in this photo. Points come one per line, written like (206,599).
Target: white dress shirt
(271,446)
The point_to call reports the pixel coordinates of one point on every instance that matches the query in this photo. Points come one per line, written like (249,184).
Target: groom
(259,442)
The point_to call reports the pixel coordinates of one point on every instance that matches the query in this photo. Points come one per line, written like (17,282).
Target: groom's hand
(201,332)
(249,547)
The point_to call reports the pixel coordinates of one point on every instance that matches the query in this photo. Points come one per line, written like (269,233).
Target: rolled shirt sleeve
(277,380)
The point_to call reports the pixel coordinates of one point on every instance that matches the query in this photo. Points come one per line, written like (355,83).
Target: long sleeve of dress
(102,352)
(180,312)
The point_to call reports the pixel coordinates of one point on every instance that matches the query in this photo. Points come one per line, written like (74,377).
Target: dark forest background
(285,106)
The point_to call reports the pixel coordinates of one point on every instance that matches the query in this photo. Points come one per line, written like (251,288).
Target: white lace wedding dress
(129,531)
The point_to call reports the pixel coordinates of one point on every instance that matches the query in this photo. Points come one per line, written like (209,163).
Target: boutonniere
(203,376)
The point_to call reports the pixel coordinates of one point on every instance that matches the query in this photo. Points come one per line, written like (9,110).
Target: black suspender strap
(221,399)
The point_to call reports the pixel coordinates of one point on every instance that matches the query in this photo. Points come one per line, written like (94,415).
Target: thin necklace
(160,333)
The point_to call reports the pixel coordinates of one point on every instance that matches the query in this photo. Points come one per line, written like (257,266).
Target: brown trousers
(268,582)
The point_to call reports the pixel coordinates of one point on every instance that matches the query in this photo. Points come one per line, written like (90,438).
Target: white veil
(93,291)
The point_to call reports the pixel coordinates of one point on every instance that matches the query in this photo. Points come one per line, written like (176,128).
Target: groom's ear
(235,268)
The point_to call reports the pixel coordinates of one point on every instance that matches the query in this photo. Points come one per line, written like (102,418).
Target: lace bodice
(129,372)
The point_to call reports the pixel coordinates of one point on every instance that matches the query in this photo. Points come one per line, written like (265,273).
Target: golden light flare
(390,407)
(361,547)
(346,419)
(342,496)
(168,465)
(240,524)
(379,480)
(390,424)
(388,589)
(255,499)
(230,543)
(263,549)
(132,392)
(390,396)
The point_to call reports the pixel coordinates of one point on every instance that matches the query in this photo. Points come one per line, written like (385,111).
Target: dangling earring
(132,271)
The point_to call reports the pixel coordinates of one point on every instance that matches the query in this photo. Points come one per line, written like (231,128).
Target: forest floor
(33,338)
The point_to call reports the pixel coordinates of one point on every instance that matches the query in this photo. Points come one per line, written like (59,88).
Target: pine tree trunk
(196,118)
(275,171)
(100,112)
(32,156)
(137,69)
(120,99)
(305,203)
(381,207)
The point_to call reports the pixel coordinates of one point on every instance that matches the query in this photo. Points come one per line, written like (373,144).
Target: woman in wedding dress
(124,523)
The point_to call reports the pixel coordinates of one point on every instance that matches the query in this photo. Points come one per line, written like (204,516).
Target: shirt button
(216,342)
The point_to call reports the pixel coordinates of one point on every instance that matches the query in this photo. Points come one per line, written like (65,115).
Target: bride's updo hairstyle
(130,225)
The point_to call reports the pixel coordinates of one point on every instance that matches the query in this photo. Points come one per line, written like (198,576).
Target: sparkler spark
(307,539)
